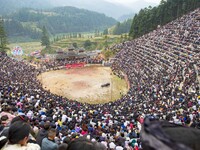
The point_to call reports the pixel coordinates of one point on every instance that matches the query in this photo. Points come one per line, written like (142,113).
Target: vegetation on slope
(29,22)
(149,18)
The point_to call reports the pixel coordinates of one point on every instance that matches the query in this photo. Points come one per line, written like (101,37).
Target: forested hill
(149,18)
(29,22)
(10,6)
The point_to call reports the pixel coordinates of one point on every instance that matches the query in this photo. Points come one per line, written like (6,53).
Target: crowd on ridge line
(162,68)
(60,64)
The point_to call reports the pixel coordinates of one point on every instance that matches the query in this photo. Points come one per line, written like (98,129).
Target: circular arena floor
(84,84)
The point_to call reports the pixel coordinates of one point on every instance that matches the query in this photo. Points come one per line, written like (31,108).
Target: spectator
(81,143)
(18,136)
(43,133)
(48,143)
(161,68)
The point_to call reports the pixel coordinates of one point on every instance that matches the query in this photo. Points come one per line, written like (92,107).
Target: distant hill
(121,27)
(108,7)
(126,17)
(67,19)
(102,6)
(10,6)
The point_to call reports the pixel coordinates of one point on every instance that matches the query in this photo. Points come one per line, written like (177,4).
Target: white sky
(154,1)
(131,1)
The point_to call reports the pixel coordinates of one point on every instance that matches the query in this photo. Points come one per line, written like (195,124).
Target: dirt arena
(84,84)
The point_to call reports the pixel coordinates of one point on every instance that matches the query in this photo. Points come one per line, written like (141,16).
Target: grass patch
(27,47)
(120,88)
(97,43)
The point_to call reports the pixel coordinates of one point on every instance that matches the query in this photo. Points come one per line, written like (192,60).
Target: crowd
(163,70)
(60,64)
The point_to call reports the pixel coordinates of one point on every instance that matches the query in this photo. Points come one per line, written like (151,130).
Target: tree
(79,35)
(3,37)
(45,38)
(108,54)
(105,32)
(106,41)
(123,27)
(149,18)
(75,45)
(87,43)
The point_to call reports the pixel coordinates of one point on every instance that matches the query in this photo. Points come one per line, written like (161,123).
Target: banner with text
(76,65)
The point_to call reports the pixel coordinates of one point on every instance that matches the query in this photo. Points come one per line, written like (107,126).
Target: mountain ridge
(110,9)
(29,22)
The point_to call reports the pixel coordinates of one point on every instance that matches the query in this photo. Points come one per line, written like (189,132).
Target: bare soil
(84,84)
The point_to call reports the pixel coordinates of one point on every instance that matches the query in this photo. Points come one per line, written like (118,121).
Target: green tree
(108,54)
(87,43)
(74,35)
(105,32)
(45,38)
(123,27)
(149,18)
(125,36)
(79,35)
(75,45)
(106,41)
(3,37)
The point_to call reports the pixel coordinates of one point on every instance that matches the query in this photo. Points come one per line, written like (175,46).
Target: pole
(111,87)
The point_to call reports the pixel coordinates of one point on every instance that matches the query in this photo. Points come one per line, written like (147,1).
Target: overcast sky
(126,2)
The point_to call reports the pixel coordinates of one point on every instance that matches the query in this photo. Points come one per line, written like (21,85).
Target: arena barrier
(76,65)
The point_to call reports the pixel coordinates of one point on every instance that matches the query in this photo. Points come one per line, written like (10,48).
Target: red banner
(77,65)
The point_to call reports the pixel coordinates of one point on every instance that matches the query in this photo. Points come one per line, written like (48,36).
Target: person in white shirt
(18,136)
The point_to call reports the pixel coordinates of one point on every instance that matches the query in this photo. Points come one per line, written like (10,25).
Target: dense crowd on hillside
(162,68)
(165,65)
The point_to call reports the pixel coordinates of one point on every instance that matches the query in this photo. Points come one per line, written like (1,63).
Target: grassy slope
(29,47)
(80,41)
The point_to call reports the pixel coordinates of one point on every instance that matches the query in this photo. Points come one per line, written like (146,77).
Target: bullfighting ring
(84,84)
